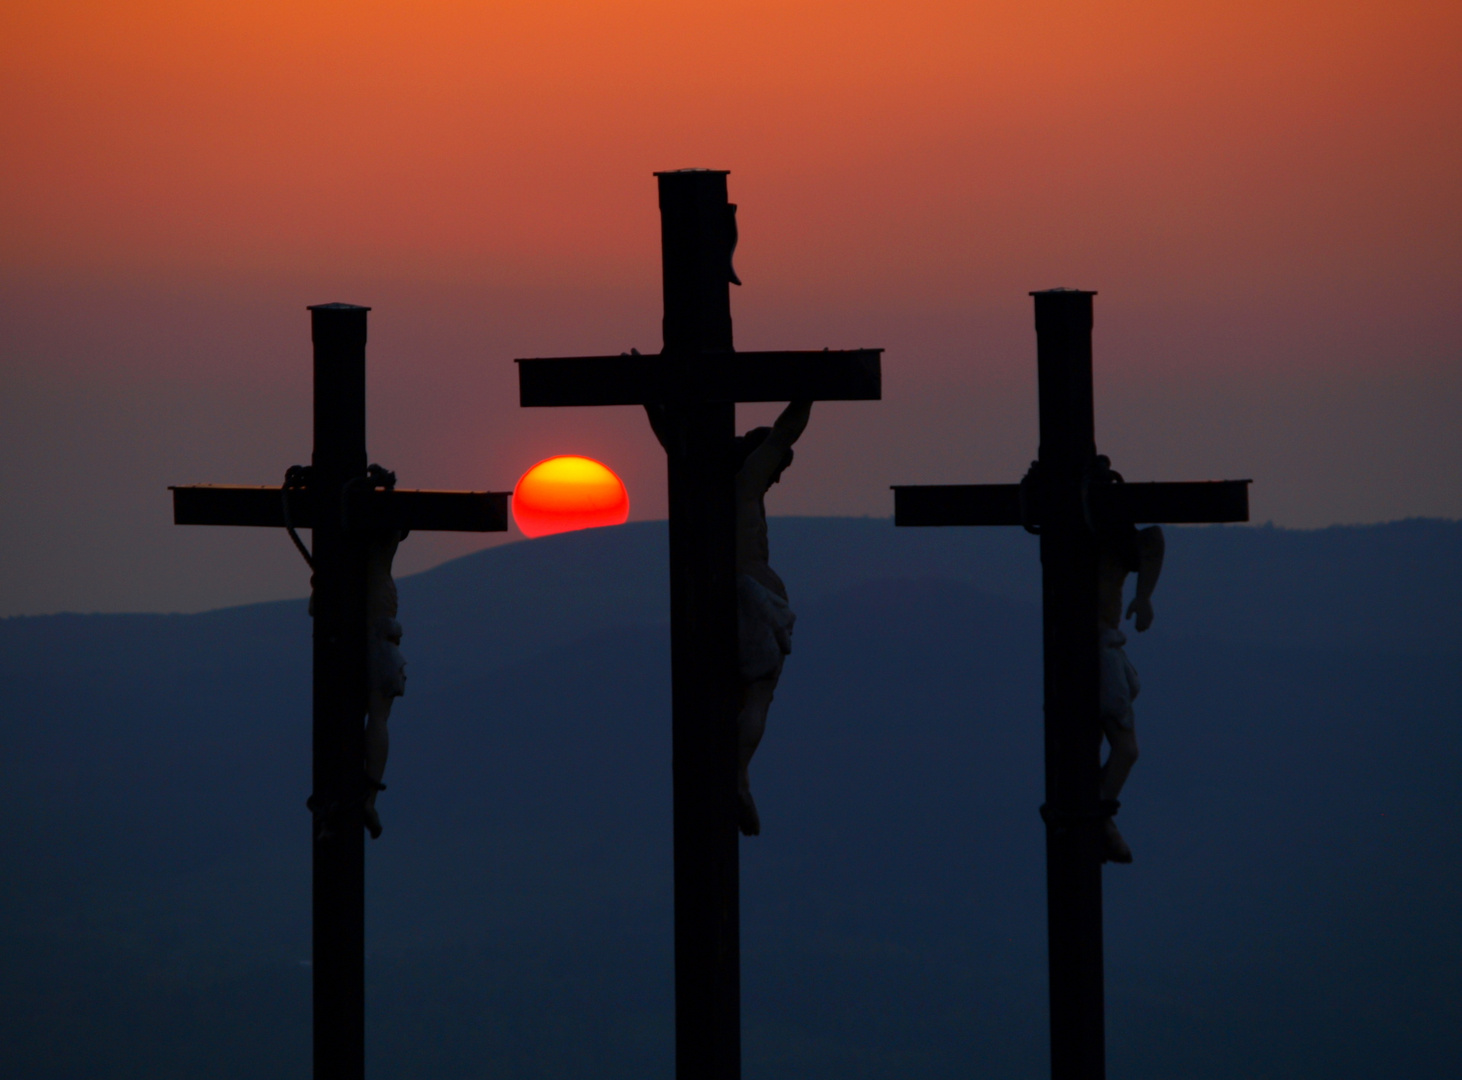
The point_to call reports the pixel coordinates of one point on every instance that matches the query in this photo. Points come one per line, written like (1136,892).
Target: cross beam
(1059,500)
(692,388)
(1203,502)
(845,375)
(342,506)
(376,508)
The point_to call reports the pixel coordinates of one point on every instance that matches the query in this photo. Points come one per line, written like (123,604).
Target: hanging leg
(756,700)
(1122,739)
(378,745)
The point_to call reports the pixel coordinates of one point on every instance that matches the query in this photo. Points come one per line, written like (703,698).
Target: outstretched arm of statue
(768,459)
(1150,548)
(791,424)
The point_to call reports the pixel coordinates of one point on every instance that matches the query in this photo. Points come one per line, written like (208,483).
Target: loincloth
(1119,683)
(765,622)
(387,665)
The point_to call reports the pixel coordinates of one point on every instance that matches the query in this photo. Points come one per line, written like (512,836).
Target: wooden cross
(1059,500)
(691,389)
(342,503)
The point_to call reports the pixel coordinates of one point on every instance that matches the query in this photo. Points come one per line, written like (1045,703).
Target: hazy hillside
(1292,913)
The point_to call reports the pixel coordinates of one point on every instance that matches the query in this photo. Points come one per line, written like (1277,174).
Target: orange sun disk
(567,492)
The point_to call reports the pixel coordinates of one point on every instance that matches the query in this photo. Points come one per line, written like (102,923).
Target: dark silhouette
(690,391)
(1122,550)
(357,518)
(765,617)
(1084,515)
(386,665)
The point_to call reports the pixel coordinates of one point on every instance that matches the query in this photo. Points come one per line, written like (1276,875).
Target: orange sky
(1194,146)
(1264,193)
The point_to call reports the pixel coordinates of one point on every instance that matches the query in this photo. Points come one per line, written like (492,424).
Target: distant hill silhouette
(1293,911)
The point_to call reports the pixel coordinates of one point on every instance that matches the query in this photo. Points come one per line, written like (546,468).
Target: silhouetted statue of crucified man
(386,665)
(764,615)
(1122,549)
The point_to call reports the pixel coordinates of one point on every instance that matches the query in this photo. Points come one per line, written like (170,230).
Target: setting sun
(565,493)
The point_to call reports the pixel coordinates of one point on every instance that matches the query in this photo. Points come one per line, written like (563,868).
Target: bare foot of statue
(749,819)
(373,822)
(1117,850)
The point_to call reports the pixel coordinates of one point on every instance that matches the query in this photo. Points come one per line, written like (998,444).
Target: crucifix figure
(717,542)
(1122,550)
(1085,516)
(357,517)
(764,615)
(386,667)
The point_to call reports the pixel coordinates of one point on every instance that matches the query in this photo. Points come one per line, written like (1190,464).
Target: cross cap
(1052,292)
(679,172)
(336,306)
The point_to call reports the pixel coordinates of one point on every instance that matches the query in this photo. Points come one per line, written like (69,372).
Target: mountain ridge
(1288,915)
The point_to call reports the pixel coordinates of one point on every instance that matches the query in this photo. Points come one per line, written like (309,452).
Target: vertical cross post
(1072,725)
(340,689)
(695,217)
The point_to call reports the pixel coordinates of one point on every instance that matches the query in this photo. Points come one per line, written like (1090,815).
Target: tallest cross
(691,389)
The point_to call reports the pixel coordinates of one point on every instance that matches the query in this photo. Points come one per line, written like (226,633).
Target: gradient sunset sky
(1267,197)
